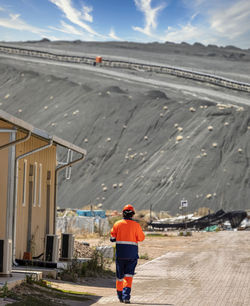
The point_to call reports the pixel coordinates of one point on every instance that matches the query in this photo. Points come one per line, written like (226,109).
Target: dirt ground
(154,246)
(96,288)
(205,269)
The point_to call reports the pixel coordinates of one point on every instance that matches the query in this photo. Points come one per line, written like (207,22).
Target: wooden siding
(30,210)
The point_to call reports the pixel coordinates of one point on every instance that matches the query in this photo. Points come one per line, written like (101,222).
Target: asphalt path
(209,92)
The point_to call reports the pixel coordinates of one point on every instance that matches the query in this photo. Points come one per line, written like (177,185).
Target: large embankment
(146,144)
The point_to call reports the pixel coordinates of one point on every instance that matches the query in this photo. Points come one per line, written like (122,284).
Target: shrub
(4,291)
(97,265)
(144,256)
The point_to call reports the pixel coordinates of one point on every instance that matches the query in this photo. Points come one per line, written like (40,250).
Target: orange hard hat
(128,207)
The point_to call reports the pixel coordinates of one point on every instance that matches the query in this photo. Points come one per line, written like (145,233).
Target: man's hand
(112,239)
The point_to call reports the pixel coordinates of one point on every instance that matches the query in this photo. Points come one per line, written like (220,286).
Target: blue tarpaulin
(91,213)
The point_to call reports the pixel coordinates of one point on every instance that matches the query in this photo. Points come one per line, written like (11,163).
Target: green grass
(62,293)
(156,235)
(39,294)
(4,291)
(144,256)
(76,293)
(35,301)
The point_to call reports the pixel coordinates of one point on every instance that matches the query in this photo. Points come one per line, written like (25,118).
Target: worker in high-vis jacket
(126,233)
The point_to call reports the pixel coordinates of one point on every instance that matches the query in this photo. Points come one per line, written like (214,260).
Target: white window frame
(40,185)
(35,185)
(25,168)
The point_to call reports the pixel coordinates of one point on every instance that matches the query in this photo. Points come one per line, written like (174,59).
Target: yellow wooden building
(28,187)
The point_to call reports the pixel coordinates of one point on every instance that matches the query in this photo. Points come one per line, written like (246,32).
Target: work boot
(126,301)
(119,295)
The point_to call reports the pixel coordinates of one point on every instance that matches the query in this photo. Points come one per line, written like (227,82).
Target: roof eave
(39,133)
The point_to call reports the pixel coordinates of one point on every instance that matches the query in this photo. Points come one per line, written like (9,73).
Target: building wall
(29,209)
(4,138)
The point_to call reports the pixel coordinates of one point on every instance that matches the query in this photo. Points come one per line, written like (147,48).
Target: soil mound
(156,94)
(148,151)
(114,89)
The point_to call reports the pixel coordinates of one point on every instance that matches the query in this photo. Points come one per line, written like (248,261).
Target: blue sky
(221,22)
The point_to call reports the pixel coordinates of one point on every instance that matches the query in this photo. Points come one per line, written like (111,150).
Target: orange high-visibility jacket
(127,233)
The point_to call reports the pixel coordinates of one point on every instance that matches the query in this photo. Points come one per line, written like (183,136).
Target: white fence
(79,224)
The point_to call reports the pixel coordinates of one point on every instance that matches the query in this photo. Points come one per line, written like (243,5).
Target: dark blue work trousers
(125,270)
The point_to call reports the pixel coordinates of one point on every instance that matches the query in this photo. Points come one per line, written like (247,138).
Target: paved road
(212,272)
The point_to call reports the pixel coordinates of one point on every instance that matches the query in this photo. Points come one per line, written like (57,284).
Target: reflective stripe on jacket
(127,233)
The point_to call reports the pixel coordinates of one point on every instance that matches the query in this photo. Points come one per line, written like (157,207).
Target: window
(24,181)
(40,185)
(35,184)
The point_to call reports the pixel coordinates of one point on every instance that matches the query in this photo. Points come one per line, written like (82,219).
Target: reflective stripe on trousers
(124,273)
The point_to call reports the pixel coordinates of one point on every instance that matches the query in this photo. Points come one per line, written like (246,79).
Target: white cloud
(232,21)
(2,9)
(75,16)
(113,35)
(67,28)
(15,22)
(150,15)
(86,15)
(189,33)
(214,22)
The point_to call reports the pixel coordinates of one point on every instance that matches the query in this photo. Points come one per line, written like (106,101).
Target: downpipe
(55,185)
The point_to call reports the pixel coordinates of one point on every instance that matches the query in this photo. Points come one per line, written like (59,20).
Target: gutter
(15,142)
(15,192)
(69,164)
